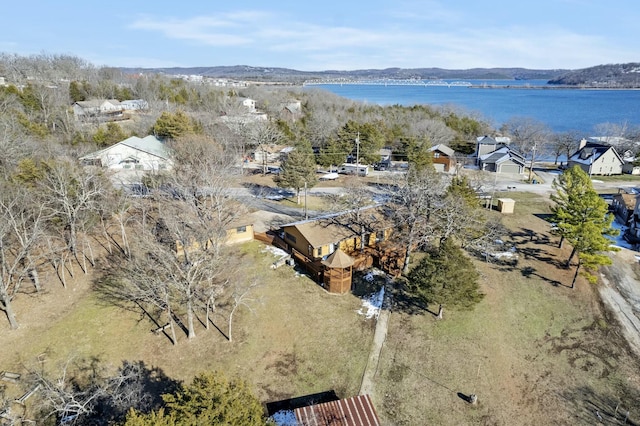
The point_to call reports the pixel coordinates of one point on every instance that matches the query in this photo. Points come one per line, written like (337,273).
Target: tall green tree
(447,277)
(582,218)
(334,152)
(364,139)
(298,169)
(173,125)
(211,399)
(109,135)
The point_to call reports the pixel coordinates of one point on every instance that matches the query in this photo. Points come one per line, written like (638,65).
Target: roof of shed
(355,411)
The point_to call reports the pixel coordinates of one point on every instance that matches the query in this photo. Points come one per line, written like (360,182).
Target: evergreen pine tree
(582,218)
(446,276)
(298,169)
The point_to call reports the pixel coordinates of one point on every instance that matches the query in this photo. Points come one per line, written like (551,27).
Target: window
(289,237)
(319,251)
(241,229)
(436,155)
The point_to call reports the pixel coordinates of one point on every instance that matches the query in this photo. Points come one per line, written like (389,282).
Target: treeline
(609,75)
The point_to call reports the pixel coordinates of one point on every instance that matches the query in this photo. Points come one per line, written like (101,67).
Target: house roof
(443,149)
(149,144)
(295,107)
(501,155)
(592,152)
(629,200)
(355,411)
(488,140)
(329,228)
(338,259)
(96,103)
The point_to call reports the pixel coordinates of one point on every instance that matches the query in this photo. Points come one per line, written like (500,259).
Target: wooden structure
(443,158)
(506,205)
(337,273)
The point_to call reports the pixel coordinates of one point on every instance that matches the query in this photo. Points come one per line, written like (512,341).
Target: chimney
(583,143)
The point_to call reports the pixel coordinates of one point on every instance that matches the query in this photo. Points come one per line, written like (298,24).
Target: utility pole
(357,150)
(306,216)
(533,156)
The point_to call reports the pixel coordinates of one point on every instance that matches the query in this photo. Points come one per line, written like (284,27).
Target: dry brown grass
(295,339)
(534,351)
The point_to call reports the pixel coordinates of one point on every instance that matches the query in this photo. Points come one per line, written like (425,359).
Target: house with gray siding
(596,159)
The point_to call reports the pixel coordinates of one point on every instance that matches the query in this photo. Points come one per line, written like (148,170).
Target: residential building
(623,205)
(596,159)
(97,108)
(349,231)
(486,144)
(503,160)
(134,153)
(443,158)
(291,111)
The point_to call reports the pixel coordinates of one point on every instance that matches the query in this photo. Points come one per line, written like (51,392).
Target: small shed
(506,205)
(338,271)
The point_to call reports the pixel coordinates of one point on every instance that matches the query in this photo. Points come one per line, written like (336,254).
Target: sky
(328,34)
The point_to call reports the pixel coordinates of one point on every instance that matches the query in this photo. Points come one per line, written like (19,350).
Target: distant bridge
(387,82)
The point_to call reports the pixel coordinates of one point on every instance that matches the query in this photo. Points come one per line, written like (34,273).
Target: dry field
(292,339)
(533,351)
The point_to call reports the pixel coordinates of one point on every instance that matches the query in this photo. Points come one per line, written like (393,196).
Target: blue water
(560,109)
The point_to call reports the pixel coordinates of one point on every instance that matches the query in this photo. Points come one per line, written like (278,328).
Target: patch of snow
(509,254)
(285,418)
(275,251)
(371,306)
(618,240)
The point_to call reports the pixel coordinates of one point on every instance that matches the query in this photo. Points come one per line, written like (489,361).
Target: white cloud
(257,36)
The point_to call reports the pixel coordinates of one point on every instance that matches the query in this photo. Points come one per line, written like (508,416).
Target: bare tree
(177,261)
(22,244)
(530,136)
(72,194)
(564,143)
(239,298)
(414,198)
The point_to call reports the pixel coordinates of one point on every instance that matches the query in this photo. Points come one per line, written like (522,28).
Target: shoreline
(548,87)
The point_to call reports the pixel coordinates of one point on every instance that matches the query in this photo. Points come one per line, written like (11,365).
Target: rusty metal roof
(355,411)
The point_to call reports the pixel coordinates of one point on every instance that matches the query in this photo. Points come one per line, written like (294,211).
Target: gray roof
(443,148)
(591,152)
(501,155)
(149,144)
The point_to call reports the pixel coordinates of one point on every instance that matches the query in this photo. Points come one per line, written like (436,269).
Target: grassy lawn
(533,351)
(293,339)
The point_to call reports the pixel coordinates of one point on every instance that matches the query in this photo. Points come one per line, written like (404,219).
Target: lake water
(561,109)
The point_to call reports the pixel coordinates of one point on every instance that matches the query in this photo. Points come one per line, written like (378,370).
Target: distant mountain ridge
(246,72)
(612,75)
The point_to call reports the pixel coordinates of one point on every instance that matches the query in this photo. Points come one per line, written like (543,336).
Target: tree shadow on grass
(592,407)
(529,272)
(541,256)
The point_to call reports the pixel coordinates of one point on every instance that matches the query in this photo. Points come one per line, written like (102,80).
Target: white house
(85,109)
(146,154)
(596,159)
(248,103)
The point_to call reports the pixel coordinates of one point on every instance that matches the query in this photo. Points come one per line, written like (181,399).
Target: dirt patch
(620,290)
